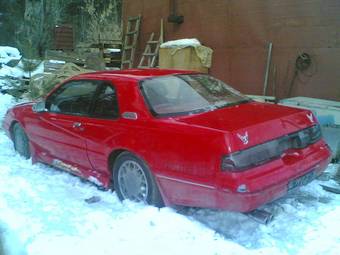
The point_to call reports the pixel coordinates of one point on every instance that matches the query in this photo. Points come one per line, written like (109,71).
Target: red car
(168,137)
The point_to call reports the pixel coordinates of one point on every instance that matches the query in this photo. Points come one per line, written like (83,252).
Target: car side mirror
(39,107)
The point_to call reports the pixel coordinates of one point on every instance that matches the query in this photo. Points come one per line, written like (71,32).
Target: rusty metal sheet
(63,37)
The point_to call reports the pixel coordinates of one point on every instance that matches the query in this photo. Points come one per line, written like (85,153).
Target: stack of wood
(41,84)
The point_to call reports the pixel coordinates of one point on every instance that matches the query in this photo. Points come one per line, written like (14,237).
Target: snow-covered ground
(43,211)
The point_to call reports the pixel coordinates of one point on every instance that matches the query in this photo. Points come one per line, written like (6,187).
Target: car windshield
(189,93)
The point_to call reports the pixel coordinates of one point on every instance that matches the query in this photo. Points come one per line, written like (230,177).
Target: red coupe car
(168,137)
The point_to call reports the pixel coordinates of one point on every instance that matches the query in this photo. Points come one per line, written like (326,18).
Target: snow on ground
(13,72)
(43,212)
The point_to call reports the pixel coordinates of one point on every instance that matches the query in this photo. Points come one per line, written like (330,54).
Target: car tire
(21,141)
(133,180)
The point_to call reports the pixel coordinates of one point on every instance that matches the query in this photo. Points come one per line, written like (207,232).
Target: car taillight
(307,136)
(262,153)
(253,156)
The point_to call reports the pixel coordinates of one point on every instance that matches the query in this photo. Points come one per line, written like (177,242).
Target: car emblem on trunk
(244,138)
(310,117)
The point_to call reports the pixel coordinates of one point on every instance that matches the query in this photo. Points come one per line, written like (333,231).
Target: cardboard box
(183,59)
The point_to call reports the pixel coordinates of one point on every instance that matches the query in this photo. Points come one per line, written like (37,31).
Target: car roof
(134,74)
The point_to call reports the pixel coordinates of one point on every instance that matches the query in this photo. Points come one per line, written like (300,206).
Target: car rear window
(189,93)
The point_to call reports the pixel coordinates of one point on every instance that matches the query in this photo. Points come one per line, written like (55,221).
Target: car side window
(73,98)
(106,104)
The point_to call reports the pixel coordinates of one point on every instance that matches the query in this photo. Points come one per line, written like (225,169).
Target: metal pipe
(261,216)
(274,83)
(269,57)
(173,8)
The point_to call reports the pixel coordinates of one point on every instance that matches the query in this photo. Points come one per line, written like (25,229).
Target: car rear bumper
(263,184)
(278,178)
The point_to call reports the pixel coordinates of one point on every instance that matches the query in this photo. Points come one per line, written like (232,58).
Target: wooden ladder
(150,54)
(130,41)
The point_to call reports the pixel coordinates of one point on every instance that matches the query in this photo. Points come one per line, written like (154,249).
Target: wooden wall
(239,31)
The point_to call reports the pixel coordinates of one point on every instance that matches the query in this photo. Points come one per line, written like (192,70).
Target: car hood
(22,108)
(252,123)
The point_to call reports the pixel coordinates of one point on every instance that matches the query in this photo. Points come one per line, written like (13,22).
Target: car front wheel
(134,181)
(21,142)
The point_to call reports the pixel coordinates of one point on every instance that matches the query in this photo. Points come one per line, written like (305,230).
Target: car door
(102,129)
(59,131)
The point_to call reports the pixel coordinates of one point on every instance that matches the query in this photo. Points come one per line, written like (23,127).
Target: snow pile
(56,61)
(13,72)
(9,75)
(43,212)
(18,71)
(8,53)
(113,50)
(182,43)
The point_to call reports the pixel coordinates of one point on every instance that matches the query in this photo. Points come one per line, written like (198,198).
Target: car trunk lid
(252,123)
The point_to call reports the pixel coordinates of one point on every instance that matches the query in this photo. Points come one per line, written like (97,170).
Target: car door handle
(77,125)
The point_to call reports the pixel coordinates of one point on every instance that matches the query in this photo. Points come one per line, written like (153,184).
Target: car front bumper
(5,125)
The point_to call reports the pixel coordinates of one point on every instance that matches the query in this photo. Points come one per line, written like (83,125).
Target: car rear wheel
(134,181)
(21,142)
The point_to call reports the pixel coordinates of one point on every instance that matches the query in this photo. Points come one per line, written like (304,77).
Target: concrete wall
(239,31)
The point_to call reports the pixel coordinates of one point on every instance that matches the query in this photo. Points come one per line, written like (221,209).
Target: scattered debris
(337,175)
(95,61)
(332,187)
(92,200)
(335,190)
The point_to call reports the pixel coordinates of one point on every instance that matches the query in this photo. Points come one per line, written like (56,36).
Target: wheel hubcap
(132,181)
